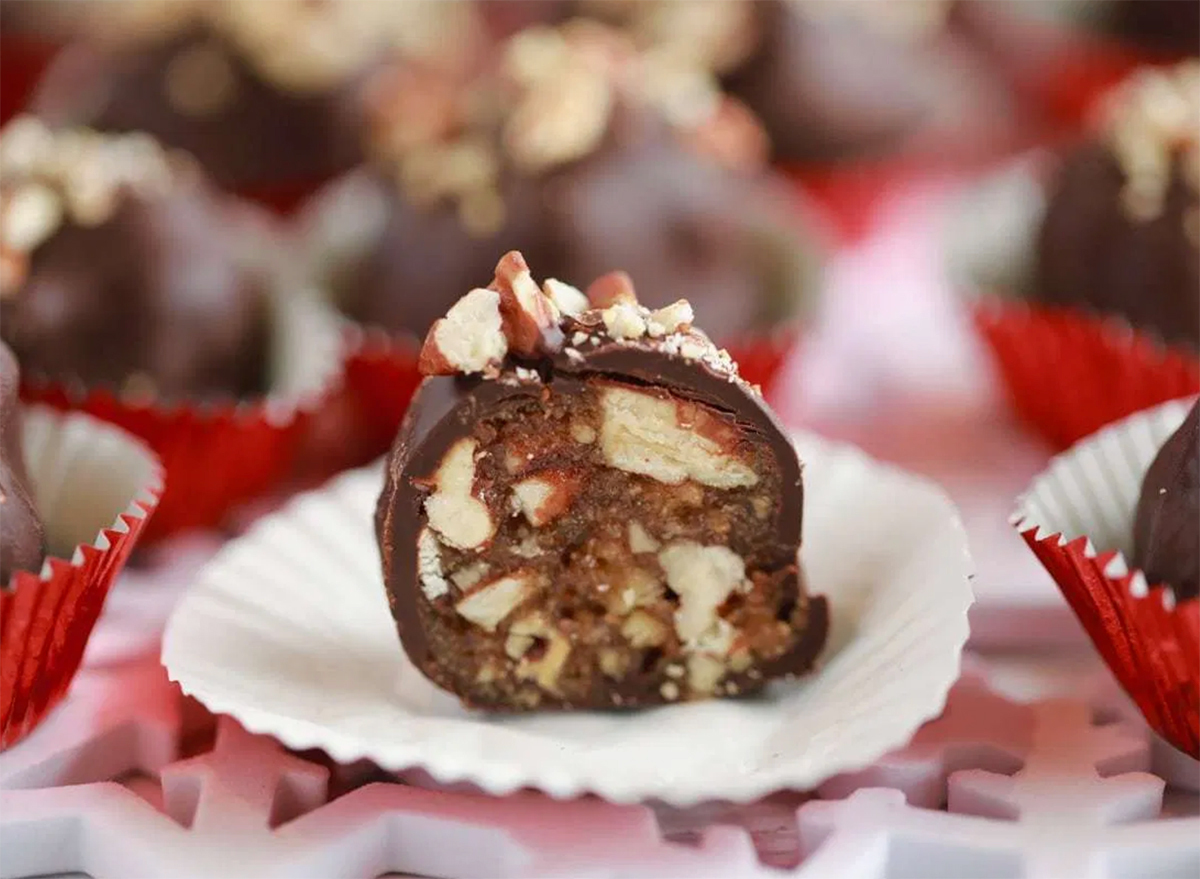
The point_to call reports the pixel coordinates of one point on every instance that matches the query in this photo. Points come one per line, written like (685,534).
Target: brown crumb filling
(603,569)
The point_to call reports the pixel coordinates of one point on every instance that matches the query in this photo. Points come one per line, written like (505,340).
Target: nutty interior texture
(615,545)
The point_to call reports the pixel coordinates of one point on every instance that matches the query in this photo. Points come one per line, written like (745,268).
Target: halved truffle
(586,507)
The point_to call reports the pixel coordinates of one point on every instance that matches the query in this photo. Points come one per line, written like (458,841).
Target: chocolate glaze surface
(1166,531)
(828,88)
(1163,25)
(419,260)
(22,537)
(1092,253)
(682,228)
(155,299)
(257,134)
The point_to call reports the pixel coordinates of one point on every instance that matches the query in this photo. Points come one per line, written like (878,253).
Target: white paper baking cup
(288,630)
(94,487)
(1092,490)
(85,477)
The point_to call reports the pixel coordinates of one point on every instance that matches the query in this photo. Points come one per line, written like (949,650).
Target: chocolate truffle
(1165,25)
(586,507)
(260,91)
(829,87)
(1166,531)
(588,160)
(22,539)
(1010,29)
(121,267)
(1122,228)
(829,81)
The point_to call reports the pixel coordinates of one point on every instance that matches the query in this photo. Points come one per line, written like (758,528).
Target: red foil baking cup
(1069,373)
(95,488)
(282,197)
(1077,517)
(218,456)
(22,61)
(761,358)
(360,420)
(849,194)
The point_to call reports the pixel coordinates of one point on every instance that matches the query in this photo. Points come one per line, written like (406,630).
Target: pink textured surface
(1037,768)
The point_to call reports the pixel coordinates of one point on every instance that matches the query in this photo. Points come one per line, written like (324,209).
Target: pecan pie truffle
(583,154)
(22,538)
(587,507)
(829,80)
(1166,531)
(121,267)
(260,91)
(1122,229)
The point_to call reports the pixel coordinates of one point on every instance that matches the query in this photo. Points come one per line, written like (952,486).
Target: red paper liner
(358,423)
(219,455)
(1084,69)
(216,457)
(1150,645)
(761,358)
(849,194)
(1069,373)
(22,61)
(46,618)
(285,197)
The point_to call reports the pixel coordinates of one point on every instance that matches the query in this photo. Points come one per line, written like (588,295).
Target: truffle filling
(611,540)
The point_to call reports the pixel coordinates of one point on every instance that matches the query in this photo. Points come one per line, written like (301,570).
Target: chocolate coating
(1092,253)
(259,134)
(828,88)
(682,228)
(1166,25)
(157,298)
(448,408)
(22,537)
(1166,531)
(406,272)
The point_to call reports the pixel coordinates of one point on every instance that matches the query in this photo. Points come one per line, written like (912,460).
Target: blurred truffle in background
(259,91)
(1121,233)
(583,152)
(1168,26)
(830,80)
(122,267)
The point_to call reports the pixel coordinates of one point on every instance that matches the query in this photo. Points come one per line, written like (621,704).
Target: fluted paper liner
(1077,517)
(310,654)
(220,455)
(95,488)
(1067,372)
